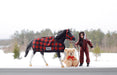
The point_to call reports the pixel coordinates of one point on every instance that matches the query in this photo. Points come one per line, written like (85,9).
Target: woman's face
(81,35)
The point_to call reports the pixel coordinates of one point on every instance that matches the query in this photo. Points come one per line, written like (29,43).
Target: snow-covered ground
(7,60)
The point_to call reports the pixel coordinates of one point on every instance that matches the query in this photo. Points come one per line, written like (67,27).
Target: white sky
(56,15)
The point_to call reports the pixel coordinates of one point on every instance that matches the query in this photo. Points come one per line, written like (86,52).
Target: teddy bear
(70,59)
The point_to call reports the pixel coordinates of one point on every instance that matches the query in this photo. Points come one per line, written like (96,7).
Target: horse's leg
(59,56)
(32,57)
(42,53)
(64,57)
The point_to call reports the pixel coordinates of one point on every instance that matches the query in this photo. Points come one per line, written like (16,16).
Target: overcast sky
(57,14)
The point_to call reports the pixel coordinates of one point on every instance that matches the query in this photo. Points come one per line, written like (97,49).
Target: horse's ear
(67,30)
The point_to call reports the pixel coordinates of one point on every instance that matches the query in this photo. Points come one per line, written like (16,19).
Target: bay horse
(50,44)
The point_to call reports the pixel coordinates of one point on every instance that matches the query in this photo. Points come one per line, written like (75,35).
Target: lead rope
(77,50)
(78,53)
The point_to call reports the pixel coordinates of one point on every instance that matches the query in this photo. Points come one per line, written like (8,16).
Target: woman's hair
(81,39)
(81,33)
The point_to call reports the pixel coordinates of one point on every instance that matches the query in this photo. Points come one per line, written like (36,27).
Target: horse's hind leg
(31,58)
(42,53)
(59,56)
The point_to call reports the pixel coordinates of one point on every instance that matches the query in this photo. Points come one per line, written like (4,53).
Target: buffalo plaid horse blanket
(41,45)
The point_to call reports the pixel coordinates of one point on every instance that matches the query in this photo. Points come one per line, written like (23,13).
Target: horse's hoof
(30,65)
(62,66)
(46,64)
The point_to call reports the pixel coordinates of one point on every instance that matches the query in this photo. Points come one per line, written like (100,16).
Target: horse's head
(64,34)
(69,35)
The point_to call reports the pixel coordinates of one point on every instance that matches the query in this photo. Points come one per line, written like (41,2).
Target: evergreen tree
(16,51)
(55,56)
(71,45)
(97,51)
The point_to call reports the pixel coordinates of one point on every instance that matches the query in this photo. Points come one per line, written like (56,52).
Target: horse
(50,44)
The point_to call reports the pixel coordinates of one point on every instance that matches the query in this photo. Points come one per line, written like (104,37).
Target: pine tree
(16,51)
(71,45)
(97,51)
(55,56)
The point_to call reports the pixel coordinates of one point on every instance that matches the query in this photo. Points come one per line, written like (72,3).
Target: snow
(7,60)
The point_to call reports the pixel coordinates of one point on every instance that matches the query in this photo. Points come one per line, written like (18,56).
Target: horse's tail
(28,48)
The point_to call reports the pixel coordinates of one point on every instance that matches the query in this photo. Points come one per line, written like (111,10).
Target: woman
(82,42)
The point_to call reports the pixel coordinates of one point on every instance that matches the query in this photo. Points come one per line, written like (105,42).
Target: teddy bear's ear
(65,50)
(73,49)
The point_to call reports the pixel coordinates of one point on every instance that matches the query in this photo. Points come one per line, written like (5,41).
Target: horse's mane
(60,33)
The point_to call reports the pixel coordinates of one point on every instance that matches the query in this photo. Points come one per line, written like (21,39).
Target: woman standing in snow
(82,42)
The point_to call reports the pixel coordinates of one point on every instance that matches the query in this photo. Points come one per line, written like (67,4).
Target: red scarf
(72,57)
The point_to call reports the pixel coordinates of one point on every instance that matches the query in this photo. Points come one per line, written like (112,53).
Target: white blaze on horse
(50,44)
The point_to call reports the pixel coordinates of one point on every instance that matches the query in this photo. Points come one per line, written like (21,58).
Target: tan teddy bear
(70,59)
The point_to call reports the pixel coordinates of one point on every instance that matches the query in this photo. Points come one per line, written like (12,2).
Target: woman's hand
(76,46)
(92,49)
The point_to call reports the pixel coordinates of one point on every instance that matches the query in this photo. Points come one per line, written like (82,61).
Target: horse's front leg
(64,57)
(59,56)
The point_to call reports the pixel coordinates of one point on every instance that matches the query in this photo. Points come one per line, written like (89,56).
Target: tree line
(107,42)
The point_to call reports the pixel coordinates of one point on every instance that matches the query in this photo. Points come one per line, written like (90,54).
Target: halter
(68,35)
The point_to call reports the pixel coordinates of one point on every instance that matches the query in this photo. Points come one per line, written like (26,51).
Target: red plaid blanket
(41,44)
